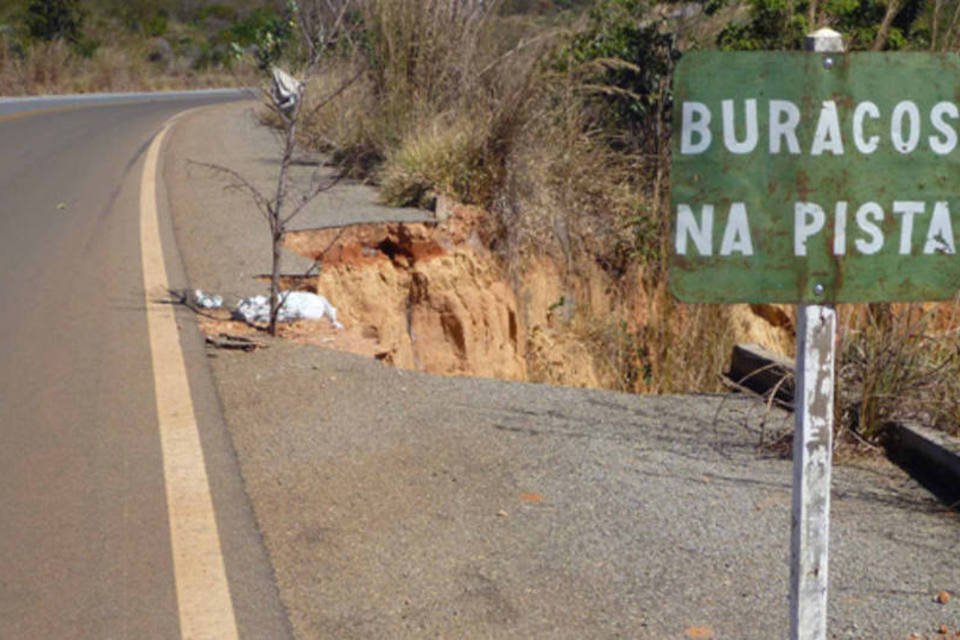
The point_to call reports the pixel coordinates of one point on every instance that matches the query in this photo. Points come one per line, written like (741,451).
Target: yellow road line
(203,595)
(36,112)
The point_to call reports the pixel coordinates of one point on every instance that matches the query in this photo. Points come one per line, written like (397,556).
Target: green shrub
(49,20)
(782,24)
(625,59)
(156,25)
(268,33)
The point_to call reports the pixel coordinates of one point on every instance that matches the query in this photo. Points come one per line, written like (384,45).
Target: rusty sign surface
(815,178)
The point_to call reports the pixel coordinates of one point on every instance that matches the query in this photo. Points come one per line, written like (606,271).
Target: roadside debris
(207,301)
(296,305)
(285,91)
(228,341)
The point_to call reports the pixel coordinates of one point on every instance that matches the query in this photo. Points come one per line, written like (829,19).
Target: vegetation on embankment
(73,46)
(555,117)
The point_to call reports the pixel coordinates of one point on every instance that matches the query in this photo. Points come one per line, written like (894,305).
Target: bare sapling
(322,27)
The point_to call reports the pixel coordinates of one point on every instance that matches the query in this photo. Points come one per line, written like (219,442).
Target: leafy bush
(265,32)
(626,59)
(156,25)
(49,20)
(782,24)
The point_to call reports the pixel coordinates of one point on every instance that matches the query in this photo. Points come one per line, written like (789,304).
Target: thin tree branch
(952,31)
(240,184)
(333,96)
(311,195)
(935,28)
(893,7)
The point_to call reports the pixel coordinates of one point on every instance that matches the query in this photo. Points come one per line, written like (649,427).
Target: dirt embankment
(434,298)
(430,298)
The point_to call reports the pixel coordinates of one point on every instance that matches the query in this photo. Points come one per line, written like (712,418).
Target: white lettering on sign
(905,110)
(907,128)
(696,123)
(810,221)
(749,142)
(868,216)
(827,136)
(947,143)
(784,118)
(865,145)
(840,229)
(940,233)
(906,211)
(687,227)
(736,237)
(736,233)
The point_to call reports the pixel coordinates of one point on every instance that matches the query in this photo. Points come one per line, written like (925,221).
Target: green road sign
(815,178)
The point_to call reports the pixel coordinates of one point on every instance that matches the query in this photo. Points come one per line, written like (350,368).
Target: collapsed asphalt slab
(401,505)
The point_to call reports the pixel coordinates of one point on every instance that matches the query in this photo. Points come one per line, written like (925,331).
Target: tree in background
(865,24)
(628,59)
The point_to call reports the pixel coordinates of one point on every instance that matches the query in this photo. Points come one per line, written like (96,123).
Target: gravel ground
(401,505)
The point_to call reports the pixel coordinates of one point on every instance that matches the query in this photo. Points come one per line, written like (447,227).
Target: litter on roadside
(241,343)
(296,305)
(207,301)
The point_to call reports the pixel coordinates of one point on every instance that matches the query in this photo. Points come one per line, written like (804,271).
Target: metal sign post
(815,178)
(812,444)
(812,447)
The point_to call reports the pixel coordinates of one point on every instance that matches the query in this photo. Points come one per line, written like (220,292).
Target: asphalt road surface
(85,547)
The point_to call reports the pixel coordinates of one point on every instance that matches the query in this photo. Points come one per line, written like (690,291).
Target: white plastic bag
(296,305)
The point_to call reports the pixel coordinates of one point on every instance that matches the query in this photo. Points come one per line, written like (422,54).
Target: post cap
(824,40)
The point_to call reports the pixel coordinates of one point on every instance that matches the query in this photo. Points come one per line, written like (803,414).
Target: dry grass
(53,67)
(440,157)
(464,103)
(446,102)
(675,348)
(900,362)
(431,107)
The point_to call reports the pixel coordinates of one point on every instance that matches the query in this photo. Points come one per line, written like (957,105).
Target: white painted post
(812,446)
(813,442)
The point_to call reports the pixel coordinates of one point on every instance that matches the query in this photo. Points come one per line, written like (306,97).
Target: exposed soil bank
(433,298)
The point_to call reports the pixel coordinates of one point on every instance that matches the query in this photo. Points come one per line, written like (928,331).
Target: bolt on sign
(801,178)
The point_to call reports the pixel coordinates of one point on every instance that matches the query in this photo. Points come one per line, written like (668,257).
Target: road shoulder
(401,505)
(257,606)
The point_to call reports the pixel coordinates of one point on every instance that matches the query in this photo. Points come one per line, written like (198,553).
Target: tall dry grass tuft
(423,53)
(432,107)
(900,362)
(665,348)
(444,155)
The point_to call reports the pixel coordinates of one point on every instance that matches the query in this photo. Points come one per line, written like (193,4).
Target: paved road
(84,534)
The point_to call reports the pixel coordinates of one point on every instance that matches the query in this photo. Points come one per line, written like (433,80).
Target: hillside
(64,46)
